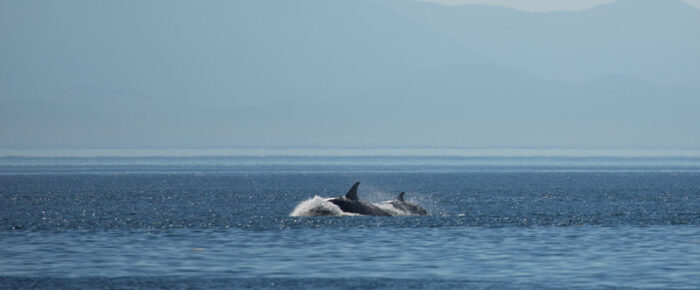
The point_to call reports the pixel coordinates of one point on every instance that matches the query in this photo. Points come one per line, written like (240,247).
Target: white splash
(391,209)
(318,206)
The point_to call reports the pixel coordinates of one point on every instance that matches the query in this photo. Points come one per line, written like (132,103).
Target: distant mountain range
(355,73)
(653,40)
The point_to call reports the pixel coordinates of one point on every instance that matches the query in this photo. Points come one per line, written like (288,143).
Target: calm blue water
(223,222)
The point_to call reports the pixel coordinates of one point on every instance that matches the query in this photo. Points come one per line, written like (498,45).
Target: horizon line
(350,152)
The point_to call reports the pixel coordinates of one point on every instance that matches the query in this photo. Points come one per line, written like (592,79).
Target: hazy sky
(184,74)
(542,5)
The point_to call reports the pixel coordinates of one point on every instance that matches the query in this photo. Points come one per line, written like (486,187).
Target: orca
(407,207)
(351,203)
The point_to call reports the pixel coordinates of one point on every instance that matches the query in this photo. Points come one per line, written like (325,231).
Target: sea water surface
(515,218)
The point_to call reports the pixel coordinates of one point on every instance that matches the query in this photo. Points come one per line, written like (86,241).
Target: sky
(541,5)
(364,73)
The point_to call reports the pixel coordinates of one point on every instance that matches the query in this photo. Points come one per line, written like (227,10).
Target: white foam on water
(318,206)
(391,209)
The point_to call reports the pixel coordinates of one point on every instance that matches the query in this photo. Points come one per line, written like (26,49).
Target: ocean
(222,218)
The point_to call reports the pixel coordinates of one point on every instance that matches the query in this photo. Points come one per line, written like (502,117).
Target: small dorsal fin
(352,194)
(400,198)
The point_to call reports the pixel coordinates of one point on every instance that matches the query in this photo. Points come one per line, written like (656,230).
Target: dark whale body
(407,206)
(351,203)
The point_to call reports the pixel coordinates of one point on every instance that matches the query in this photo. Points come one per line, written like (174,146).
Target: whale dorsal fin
(400,198)
(352,194)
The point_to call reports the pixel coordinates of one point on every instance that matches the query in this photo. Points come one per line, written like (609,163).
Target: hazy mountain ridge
(654,40)
(321,73)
